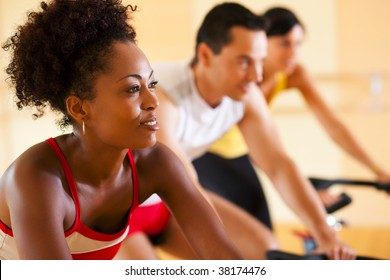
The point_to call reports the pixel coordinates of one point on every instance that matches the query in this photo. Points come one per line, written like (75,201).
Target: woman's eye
(133,89)
(153,84)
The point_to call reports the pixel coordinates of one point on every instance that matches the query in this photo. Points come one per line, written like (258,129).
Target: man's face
(239,65)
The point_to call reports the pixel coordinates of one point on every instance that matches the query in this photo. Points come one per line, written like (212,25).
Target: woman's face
(283,50)
(123,113)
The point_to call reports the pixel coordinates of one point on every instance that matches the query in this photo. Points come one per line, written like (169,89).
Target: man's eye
(285,44)
(244,63)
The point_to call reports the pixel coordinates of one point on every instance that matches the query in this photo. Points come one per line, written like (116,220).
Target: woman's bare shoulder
(32,171)
(34,179)
(156,154)
(38,159)
(298,77)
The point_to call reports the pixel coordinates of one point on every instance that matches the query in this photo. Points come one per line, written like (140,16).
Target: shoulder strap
(68,174)
(135,203)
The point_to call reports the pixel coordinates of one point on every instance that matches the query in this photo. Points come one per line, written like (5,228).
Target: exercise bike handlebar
(283,255)
(321,183)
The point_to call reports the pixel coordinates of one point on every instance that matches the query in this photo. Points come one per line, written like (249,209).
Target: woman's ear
(74,105)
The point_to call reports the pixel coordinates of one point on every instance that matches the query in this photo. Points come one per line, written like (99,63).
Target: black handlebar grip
(343,200)
(322,184)
(282,255)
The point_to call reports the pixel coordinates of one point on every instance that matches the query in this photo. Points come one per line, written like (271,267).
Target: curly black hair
(60,49)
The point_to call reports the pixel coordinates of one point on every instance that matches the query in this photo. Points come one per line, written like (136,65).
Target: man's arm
(266,150)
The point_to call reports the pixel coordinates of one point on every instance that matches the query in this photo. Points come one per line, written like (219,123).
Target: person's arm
(333,126)
(195,216)
(266,150)
(36,207)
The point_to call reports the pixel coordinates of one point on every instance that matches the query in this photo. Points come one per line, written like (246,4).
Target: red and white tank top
(83,242)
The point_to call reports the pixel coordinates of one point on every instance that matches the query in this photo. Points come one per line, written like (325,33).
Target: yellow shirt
(232,143)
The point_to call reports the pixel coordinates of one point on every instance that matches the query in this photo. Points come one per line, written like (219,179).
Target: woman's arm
(333,126)
(36,210)
(199,222)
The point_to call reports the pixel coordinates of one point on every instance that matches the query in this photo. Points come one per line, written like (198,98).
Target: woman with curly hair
(71,197)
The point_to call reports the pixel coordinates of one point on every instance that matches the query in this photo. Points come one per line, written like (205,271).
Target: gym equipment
(283,255)
(345,199)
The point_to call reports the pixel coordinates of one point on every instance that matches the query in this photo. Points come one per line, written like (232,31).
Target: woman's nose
(150,100)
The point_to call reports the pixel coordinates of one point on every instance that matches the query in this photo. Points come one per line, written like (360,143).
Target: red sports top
(83,242)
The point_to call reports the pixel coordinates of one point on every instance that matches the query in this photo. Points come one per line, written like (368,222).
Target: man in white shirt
(202,99)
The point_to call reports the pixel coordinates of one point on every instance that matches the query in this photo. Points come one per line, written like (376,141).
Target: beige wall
(343,37)
(166,31)
(364,36)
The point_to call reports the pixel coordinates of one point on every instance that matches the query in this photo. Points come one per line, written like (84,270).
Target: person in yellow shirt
(227,170)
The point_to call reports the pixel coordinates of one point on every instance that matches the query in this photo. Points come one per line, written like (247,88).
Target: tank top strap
(68,175)
(135,203)
(72,185)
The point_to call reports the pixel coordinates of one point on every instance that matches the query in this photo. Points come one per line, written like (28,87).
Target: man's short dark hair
(217,24)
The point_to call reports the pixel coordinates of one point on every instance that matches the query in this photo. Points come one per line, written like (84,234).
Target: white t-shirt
(199,125)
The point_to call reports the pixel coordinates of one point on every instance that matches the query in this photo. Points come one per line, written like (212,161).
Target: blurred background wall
(346,49)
